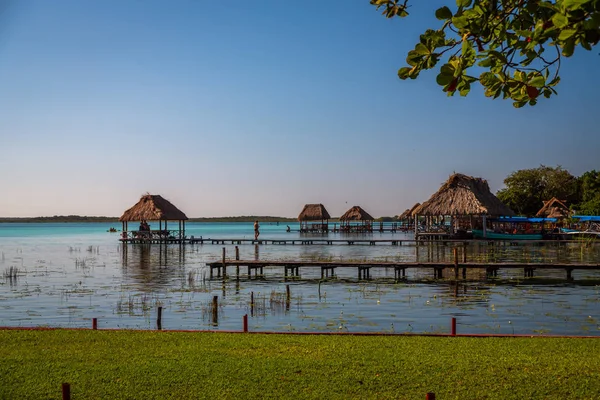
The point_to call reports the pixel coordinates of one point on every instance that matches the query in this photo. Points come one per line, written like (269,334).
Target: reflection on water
(153,266)
(67,281)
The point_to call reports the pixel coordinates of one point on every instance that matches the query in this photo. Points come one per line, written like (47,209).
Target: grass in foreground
(162,365)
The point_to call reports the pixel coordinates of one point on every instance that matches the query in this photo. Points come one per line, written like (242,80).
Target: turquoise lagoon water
(69,273)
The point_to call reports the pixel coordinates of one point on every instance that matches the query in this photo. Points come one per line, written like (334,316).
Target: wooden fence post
(66,391)
(215,310)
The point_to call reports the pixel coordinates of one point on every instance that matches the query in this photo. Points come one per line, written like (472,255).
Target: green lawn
(162,365)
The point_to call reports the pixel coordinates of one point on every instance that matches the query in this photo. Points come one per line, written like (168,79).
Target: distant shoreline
(84,218)
(79,218)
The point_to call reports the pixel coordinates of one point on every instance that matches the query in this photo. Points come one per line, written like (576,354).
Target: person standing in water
(256,232)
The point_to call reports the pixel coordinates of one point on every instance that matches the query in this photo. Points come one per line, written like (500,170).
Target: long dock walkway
(328,268)
(372,242)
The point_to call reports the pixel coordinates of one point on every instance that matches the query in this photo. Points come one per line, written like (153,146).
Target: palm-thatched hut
(313,213)
(406,216)
(459,197)
(554,208)
(153,208)
(356,214)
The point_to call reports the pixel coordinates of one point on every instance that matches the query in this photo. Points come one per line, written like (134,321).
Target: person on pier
(256,232)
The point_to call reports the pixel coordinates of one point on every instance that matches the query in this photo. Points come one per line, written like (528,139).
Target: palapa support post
(94,323)
(66,391)
(245,323)
(455,263)
(159,318)
(453,326)
(215,310)
(464,269)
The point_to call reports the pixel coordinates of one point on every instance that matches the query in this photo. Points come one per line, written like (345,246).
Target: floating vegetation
(10,275)
(136,304)
(92,249)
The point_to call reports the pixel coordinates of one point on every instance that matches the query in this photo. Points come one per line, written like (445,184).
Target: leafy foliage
(589,185)
(516,46)
(526,189)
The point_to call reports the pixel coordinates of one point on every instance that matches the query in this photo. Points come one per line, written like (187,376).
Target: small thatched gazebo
(406,216)
(554,208)
(311,213)
(154,208)
(462,196)
(356,214)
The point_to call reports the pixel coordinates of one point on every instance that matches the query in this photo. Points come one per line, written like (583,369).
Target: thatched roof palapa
(554,208)
(408,212)
(153,208)
(314,212)
(464,195)
(356,213)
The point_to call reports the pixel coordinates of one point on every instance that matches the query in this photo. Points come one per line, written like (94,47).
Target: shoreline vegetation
(159,365)
(85,218)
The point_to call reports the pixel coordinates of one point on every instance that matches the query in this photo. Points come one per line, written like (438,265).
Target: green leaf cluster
(515,46)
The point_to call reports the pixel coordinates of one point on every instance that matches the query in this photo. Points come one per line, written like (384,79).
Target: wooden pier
(328,268)
(372,242)
(348,241)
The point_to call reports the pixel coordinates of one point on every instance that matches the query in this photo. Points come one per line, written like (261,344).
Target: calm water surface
(67,274)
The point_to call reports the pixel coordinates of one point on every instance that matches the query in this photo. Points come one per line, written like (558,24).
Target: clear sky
(254,107)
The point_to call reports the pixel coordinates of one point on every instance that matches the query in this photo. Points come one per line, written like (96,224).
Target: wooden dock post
(251,303)
(224,267)
(237,258)
(159,318)
(66,391)
(245,323)
(453,326)
(288,297)
(94,323)
(215,310)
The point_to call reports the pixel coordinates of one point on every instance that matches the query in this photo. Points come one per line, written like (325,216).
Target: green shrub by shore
(175,365)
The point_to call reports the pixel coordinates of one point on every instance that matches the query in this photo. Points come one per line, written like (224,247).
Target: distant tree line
(244,218)
(60,218)
(527,189)
(80,218)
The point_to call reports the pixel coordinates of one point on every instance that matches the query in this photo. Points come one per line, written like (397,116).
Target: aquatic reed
(11,273)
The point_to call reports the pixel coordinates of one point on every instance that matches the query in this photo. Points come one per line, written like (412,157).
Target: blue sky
(253,108)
